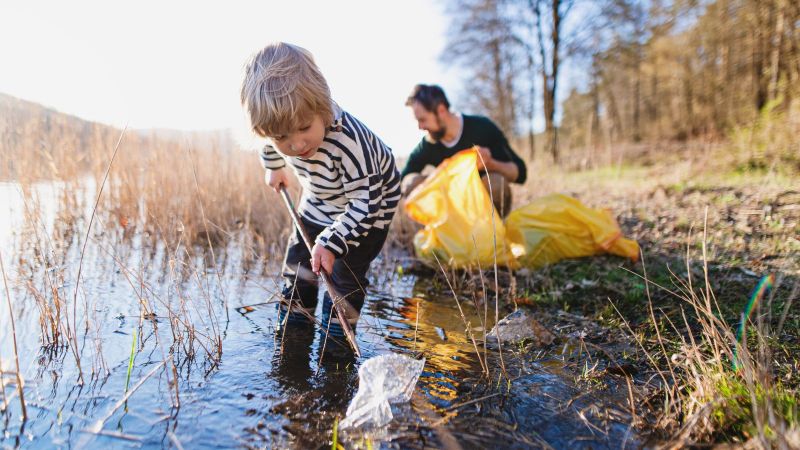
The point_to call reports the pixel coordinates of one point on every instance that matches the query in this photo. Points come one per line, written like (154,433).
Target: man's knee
(500,190)
(410,182)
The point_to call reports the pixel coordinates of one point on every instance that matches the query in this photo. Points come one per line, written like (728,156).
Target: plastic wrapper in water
(520,326)
(382,380)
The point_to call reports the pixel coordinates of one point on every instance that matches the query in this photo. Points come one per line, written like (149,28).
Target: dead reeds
(155,203)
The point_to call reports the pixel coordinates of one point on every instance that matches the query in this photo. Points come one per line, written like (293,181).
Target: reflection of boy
(350,183)
(450,132)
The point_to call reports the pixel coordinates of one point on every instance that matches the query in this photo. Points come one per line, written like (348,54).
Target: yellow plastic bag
(456,210)
(461,229)
(556,227)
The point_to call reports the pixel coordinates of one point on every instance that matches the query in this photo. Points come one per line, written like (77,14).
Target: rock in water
(519,326)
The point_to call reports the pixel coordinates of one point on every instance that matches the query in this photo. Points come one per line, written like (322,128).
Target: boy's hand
(323,258)
(277,178)
(485,160)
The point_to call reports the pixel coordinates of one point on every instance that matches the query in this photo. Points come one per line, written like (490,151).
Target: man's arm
(411,176)
(417,161)
(502,152)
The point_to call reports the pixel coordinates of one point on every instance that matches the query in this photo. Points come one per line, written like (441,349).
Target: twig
(97,427)
(416,323)
(114,434)
(339,303)
(469,402)
(208,240)
(494,254)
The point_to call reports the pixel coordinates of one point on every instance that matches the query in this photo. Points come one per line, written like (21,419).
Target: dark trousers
(349,275)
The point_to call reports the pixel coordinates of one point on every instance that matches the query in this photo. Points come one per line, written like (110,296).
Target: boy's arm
(363,209)
(271,159)
(363,181)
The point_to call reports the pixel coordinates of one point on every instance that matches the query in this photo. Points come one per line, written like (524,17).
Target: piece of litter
(518,326)
(382,380)
(442,334)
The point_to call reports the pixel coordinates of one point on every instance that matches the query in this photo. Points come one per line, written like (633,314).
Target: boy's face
(303,142)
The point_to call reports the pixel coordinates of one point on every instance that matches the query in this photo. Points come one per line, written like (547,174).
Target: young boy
(351,186)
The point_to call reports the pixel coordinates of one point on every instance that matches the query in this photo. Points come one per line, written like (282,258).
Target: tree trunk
(556,41)
(549,78)
(532,112)
(775,59)
(758,61)
(637,87)
(688,97)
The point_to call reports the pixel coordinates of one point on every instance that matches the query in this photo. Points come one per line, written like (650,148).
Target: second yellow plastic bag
(556,227)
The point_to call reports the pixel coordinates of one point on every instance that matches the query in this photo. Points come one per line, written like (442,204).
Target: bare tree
(550,58)
(483,44)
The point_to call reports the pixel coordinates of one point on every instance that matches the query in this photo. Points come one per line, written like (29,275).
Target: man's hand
(485,160)
(323,258)
(277,178)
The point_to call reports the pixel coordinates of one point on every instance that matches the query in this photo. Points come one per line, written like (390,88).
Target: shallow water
(268,389)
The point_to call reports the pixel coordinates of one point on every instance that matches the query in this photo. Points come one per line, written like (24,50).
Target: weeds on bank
(716,386)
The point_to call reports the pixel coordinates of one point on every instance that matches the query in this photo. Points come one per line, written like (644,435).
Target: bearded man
(448,132)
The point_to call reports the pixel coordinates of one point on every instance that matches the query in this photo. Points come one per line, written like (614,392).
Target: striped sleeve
(363,188)
(271,159)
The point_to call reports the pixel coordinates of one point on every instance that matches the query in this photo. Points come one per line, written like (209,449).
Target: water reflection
(434,329)
(291,362)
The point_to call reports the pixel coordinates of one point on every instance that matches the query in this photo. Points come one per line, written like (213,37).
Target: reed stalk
(14,340)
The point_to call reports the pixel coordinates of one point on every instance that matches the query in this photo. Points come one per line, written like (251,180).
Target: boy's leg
(300,285)
(349,278)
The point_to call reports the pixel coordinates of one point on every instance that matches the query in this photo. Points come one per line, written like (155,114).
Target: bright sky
(178,64)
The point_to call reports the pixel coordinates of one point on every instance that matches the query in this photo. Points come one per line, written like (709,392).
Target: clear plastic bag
(382,380)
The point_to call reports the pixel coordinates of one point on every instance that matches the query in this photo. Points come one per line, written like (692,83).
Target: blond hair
(283,89)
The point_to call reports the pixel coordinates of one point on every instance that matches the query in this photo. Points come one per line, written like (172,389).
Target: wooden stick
(340,304)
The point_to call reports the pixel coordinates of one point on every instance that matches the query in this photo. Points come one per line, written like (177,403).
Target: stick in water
(339,303)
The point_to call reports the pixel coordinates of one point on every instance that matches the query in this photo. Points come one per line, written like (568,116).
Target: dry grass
(168,190)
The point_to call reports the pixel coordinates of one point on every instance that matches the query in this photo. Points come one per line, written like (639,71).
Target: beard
(438,134)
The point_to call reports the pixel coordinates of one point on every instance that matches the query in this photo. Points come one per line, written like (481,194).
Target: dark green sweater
(478,130)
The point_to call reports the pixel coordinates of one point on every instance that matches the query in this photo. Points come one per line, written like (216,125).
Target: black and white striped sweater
(350,185)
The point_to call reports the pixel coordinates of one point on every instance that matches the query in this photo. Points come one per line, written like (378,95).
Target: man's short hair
(283,89)
(430,96)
